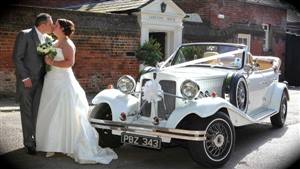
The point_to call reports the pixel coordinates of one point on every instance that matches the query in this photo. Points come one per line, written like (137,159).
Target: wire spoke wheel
(215,151)
(241,96)
(219,140)
(238,92)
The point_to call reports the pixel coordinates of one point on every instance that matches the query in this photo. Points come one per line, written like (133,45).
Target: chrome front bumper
(192,135)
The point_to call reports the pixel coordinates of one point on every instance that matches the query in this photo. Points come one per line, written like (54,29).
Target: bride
(62,123)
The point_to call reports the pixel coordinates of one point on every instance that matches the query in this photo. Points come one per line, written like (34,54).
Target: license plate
(138,140)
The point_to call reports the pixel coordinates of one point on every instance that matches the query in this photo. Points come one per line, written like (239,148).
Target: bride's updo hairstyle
(67,25)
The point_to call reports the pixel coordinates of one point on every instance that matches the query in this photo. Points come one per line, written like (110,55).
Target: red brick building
(259,24)
(108,32)
(104,43)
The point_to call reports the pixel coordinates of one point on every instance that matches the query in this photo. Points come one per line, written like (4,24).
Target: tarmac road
(258,146)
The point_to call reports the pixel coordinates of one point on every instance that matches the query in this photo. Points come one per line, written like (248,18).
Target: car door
(269,77)
(256,89)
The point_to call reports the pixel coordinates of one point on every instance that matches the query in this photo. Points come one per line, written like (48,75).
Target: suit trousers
(29,99)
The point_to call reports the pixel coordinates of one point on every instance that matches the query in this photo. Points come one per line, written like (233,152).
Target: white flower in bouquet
(47,49)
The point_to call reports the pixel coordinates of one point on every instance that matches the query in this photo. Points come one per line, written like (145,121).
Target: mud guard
(277,91)
(206,107)
(117,101)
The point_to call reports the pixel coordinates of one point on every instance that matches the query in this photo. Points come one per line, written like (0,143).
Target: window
(244,39)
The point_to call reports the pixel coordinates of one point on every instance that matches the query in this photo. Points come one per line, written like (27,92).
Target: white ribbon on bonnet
(152,91)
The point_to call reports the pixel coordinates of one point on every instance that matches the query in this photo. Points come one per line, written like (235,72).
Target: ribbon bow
(152,91)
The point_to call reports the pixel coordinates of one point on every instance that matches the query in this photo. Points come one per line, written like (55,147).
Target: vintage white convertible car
(196,97)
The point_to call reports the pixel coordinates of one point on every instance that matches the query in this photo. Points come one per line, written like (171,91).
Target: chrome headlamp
(126,84)
(189,89)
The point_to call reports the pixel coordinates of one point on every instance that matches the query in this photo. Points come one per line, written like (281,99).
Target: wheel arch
(287,93)
(278,90)
(117,101)
(106,138)
(185,121)
(95,113)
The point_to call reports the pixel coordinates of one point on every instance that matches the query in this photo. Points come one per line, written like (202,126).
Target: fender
(118,102)
(206,107)
(277,91)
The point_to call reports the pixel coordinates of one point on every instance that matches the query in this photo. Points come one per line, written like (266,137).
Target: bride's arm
(69,58)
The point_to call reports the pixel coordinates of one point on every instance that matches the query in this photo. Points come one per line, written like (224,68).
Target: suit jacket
(28,63)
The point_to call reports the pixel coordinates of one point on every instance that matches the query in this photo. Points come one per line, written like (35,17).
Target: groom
(30,71)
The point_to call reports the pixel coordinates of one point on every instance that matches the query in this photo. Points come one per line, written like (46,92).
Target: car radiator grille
(146,110)
(165,106)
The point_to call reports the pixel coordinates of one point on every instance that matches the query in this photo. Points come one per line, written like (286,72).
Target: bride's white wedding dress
(62,123)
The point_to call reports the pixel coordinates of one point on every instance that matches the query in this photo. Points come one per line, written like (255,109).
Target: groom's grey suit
(28,65)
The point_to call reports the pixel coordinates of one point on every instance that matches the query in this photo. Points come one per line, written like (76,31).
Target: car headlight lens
(189,89)
(126,84)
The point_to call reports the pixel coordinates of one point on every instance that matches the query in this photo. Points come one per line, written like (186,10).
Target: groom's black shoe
(30,150)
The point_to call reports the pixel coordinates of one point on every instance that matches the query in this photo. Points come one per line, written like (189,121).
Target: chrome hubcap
(219,140)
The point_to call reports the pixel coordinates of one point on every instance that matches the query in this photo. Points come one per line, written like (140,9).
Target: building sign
(161,18)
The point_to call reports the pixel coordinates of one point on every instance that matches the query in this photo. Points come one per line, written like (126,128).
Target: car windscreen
(213,55)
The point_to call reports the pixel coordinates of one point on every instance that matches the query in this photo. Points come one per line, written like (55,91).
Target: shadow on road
(19,159)
(248,140)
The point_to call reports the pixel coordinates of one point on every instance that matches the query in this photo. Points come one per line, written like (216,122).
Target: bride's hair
(67,25)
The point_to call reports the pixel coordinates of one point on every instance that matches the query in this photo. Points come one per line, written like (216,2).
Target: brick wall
(105,45)
(240,17)
(7,75)
(235,11)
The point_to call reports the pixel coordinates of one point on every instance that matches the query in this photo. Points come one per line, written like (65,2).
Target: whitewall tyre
(215,151)
(278,119)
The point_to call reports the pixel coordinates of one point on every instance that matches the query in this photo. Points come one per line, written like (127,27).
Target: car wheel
(278,119)
(106,138)
(236,86)
(215,151)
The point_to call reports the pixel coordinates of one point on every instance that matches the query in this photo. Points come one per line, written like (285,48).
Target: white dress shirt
(41,36)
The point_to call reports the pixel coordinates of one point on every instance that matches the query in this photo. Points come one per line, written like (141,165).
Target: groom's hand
(27,83)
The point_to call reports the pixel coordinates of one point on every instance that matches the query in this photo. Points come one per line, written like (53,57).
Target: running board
(240,118)
(260,115)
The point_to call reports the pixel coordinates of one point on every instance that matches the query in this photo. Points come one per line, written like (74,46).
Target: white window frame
(247,37)
(266,45)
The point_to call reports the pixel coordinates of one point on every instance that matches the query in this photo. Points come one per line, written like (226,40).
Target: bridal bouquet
(47,49)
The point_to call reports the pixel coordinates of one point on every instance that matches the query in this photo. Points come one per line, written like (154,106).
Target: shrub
(149,53)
